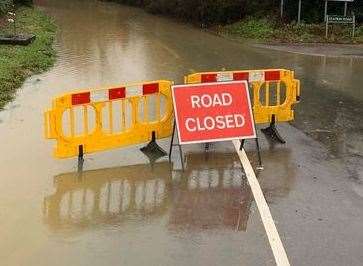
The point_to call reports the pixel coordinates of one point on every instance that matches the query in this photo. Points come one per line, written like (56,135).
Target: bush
(5,5)
(204,11)
(23,2)
(222,11)
(252,28)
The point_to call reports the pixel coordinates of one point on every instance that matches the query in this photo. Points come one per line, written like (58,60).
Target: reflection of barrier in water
(213,193)
(106,196)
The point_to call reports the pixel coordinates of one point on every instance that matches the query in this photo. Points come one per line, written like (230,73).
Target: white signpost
(338,19)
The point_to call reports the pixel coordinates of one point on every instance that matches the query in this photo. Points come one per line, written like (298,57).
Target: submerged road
(120,211)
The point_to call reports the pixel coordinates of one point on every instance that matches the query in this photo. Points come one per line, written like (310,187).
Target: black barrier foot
(152,150)
(260,166)
(242,144)
(272,133)
(80,152)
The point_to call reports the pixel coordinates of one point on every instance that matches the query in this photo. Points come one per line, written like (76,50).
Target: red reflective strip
(272,75)
(208,78)
(80,98)
(240,76)
(116,93)
(150,88)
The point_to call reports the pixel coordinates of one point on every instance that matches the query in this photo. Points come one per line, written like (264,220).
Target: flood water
(120,209)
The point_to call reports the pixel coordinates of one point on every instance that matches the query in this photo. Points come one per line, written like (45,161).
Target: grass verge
(271,31)
(19,62)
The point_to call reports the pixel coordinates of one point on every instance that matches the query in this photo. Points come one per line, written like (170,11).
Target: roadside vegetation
(19,62)
(261,19)
(272,31)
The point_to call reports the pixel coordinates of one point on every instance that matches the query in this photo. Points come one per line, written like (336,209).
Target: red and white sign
(211,112)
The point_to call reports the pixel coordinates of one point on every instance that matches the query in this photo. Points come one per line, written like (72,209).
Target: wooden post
(299,13)
(325,10)
(282,8)
(345,8)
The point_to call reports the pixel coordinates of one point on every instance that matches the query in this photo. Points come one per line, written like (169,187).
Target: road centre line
(267,220)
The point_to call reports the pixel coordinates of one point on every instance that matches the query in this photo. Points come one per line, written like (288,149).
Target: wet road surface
(121,210)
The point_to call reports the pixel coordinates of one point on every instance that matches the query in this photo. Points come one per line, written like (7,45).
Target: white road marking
(270,227)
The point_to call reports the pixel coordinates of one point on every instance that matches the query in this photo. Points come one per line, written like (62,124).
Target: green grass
(259,29)
(271,30)
(19,62)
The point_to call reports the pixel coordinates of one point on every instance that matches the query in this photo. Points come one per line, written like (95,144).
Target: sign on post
(340,19)
(210,112)
(336,19)
(345,7)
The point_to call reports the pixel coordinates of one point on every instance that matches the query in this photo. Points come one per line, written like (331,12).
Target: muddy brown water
(120,210)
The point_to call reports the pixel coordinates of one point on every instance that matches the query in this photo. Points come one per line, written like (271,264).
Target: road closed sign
(211,112)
